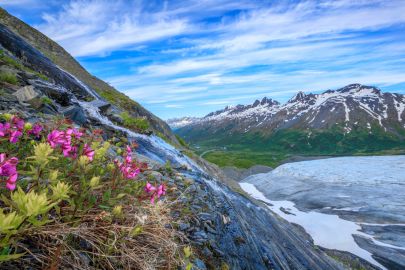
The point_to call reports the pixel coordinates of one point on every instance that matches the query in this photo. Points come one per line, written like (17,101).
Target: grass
(8,78)
(182,141)
(137,123)
(46,100)
(244,159)
(14,63)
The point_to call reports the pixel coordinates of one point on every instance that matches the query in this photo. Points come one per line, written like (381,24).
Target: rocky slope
(356,111)
(63,59)
(227,229)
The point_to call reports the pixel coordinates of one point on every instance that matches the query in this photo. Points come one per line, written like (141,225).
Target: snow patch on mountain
(353,103)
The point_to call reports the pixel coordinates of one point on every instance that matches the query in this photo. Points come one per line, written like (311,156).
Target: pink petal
(10,186)
(12,179)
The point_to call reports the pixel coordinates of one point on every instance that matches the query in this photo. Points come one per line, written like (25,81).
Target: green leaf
(120,196)
(136,231)
(106,195)
(189,266)
(187,252)
(4,258)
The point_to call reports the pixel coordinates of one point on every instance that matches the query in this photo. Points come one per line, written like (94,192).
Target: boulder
(26,93)
(75,113)
(53,92)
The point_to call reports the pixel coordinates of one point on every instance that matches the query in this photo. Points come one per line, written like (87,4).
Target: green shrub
(14,63)
(8,77)
(138,123)
(182,141)
(46,100)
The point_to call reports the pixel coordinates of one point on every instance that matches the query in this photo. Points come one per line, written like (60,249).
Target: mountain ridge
(352,119)
(301,103)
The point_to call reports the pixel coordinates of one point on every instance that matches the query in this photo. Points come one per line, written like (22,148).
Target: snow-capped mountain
(353,107)
(176,123)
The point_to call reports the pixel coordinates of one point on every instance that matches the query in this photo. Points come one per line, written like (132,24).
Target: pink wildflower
(161,191)
(13,129)
(18,123)
(4,129)
(67,149)
(129,171)
(36,130)
(11,182)
(73,132)
(56,138)
(149,187)
(128,168)
(15,134)
(8,169)
(153,192)
(87,151)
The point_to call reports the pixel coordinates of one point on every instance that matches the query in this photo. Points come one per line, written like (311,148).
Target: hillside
(63,59)
(355,119)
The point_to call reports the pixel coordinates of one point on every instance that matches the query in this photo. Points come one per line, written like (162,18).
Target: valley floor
(247,158)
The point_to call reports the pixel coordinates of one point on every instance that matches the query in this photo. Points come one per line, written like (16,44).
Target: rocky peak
(350,88)
(269,101)
(256,103)
(298,97)
(359,89)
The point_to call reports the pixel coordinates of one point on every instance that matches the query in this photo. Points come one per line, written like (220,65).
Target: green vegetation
(46,100)
(55,204)
(182,141)
(246,150)
(15,64)
(137,123)
(244,159)
(8,78)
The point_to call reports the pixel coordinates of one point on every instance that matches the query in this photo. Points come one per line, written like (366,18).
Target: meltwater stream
(150,146)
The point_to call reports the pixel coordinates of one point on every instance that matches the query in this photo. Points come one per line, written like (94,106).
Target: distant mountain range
(355,118)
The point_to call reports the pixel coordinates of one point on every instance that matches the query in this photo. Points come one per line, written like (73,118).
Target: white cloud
(270,48)
(97,27)
(174,106)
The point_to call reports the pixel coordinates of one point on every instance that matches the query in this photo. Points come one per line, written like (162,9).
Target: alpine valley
(355,119)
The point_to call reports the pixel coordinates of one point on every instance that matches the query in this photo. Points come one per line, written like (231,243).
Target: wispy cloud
(98,27)
(196,56)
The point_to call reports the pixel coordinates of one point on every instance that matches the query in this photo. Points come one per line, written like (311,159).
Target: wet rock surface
(231,228)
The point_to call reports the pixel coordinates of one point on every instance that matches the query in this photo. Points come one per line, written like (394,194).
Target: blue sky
(192,57)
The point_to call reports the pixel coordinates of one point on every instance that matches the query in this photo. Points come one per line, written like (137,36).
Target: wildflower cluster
(15,127)
(61,175)
(68,142)
(128,168)
(8,168)
(155,192)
